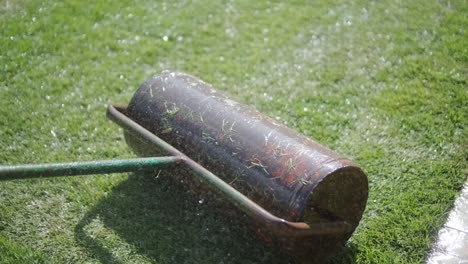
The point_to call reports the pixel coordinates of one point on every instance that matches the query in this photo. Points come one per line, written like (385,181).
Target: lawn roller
(299,196)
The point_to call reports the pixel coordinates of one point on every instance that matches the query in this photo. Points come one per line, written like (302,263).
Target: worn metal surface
(286,173)
(300,195)
(85,168)
(280,226)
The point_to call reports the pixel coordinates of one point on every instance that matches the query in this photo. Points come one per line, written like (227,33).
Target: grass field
(382,82)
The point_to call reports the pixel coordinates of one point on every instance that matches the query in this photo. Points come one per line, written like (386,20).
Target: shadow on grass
(158,220)
(346,256)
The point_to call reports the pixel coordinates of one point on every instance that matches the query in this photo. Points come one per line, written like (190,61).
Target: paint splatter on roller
(301,197)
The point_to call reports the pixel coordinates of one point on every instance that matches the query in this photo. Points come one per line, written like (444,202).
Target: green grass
(382,82)
(12,253)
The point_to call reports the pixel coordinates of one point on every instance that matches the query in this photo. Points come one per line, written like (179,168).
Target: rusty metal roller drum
(288,174)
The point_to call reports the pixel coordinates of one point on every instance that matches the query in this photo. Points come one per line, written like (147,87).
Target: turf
(384,83)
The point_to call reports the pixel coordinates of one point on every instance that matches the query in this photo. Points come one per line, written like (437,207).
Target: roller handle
(85,168)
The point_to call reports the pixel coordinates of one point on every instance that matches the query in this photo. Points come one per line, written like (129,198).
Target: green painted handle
(85,168)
